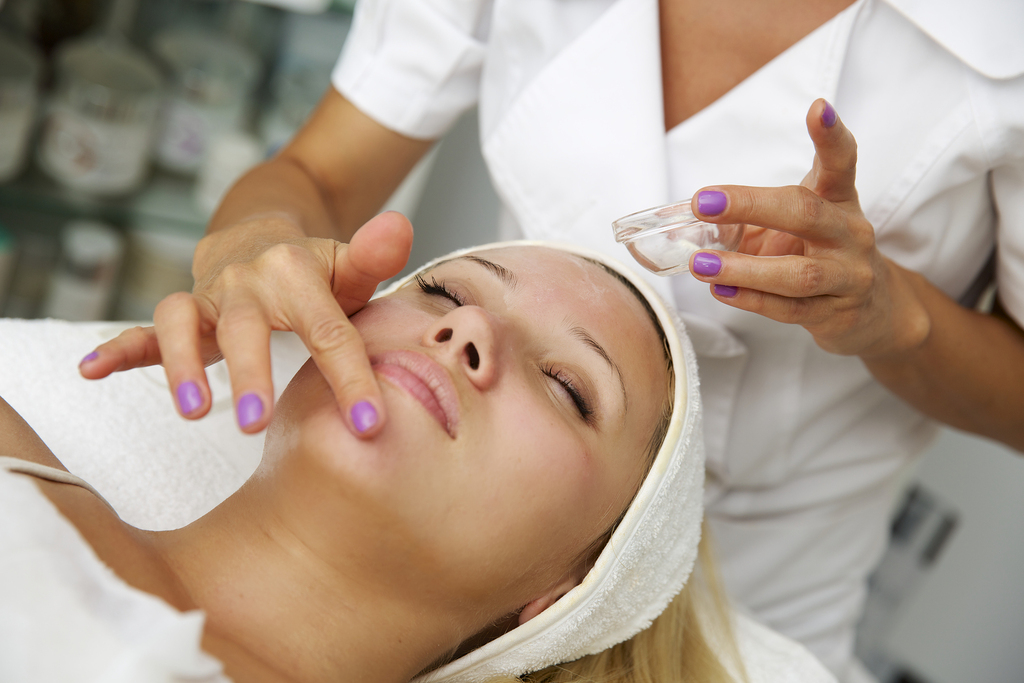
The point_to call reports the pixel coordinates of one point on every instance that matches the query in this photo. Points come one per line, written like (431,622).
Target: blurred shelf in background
(131,119)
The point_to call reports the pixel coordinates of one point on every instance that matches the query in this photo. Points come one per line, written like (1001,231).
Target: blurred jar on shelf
(102,118)
(212,84)
(8,252)
(310,45)
(158,263)
(231,154)
(35,255)
(82,285)
(20,69)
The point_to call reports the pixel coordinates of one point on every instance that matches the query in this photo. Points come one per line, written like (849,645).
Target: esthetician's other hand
(307,285)
(808,254)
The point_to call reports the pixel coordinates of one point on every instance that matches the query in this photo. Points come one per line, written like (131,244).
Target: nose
(467,336)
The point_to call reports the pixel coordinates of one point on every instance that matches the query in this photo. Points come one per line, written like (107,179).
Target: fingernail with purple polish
(829,116)
(711,202)
(706,264)
(727,291)
(189,397)
(249,410)
(364,416)
(91,357)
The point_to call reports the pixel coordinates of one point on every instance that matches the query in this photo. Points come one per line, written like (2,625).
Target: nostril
(444,335)
(474,357)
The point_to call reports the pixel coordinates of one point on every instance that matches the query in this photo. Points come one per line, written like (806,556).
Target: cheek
(543,475)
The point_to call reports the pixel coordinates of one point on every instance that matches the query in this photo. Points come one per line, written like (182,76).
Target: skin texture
(367,560)
(955,365)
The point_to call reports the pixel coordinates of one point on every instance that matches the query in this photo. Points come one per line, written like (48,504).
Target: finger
(794,209)
(833,175)
(338,351)
(795,311)
(177,323)
(378,251)
(788,276)
(134,348)
(243,335)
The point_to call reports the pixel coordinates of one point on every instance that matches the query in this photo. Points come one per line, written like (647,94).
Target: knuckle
(809,277)
(329,336)
(284,258)
(232,275)
(171,303)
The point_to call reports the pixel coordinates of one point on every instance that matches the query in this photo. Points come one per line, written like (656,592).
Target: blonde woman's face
(522,386)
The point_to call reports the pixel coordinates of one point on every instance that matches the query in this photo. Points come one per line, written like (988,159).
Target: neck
(278,611)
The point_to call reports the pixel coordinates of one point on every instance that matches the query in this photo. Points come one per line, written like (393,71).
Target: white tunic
(804,447)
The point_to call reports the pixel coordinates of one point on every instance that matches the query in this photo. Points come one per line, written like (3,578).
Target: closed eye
(435,288)
(582,405)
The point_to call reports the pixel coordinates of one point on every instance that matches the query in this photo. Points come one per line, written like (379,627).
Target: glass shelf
(166,199)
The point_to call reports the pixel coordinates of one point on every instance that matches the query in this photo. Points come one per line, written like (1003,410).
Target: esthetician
(827,351)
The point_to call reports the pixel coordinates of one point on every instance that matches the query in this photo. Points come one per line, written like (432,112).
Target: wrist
(910,321)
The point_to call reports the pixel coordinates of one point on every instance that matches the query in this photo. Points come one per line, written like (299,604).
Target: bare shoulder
(19,440)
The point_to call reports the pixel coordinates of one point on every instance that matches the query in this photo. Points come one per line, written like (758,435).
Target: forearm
(968,372)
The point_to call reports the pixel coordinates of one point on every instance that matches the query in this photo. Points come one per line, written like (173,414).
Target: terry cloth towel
(122,434)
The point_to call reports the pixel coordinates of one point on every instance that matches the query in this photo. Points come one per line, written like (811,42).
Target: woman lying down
(532,509)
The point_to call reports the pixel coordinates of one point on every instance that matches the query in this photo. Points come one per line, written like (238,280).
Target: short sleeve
(1007,182)
(414,66)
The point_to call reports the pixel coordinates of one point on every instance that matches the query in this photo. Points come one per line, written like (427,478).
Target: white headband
(650,554)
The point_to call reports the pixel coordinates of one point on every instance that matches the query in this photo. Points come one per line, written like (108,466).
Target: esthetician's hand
(808,254)
(307,285)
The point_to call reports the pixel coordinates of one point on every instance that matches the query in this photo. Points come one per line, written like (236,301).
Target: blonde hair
(691,642)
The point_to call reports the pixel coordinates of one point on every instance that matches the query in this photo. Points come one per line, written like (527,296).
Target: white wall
(965,622)
(458,207)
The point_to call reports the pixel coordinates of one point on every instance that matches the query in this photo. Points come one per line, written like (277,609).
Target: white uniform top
(804,447)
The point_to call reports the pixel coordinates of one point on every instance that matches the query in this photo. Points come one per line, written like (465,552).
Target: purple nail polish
(364,416)
(249,410)
(711,202)
(727,291)
(706,264)
(92,356)
(189,397)
(829,116)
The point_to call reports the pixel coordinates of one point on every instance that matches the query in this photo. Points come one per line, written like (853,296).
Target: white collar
(987,35)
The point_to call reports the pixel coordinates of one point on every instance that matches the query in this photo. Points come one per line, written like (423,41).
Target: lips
(425,380)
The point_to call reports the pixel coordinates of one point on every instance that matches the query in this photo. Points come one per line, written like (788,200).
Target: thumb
(378,251)
(834,173)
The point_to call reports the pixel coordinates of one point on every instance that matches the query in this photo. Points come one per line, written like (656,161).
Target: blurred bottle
(231,154)
(20,70)
(310,46)
(158,263)
(8,250)
(82,284)
(101,121)
(36,255)
(212,82)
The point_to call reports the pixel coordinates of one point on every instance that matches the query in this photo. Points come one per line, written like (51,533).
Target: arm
(272,260)
(956,365)
(968,372)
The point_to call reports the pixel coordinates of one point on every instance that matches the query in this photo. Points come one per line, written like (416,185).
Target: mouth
(425,380)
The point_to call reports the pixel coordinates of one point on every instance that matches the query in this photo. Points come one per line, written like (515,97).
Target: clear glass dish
(662,239)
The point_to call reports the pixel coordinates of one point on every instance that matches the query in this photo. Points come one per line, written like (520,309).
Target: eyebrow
(502,273)
(510,280)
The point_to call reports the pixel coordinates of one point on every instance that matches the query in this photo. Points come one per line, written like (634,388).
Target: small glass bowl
(662,239)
